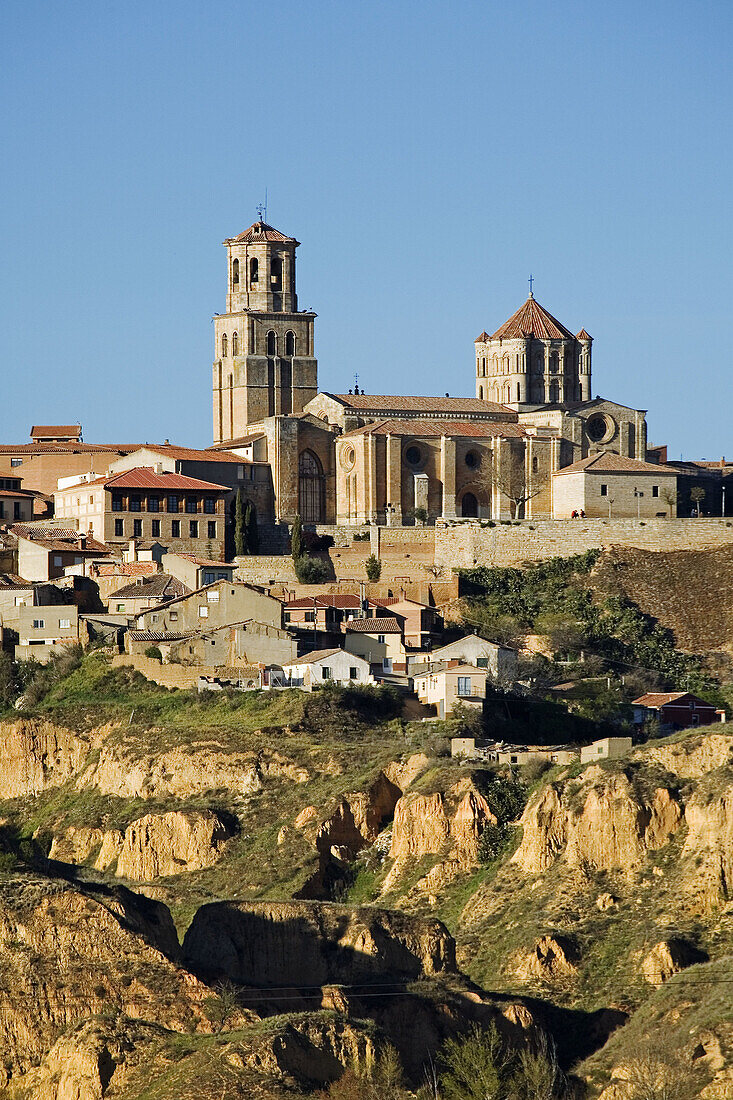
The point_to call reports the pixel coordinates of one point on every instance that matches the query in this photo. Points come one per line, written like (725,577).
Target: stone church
(358,458)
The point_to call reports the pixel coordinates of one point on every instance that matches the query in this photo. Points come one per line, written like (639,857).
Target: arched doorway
(311,489)
(469,506)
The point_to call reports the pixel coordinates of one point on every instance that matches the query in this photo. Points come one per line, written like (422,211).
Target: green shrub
(420,514)
(153,652)
(311,570)
(296,540)
(493,841)
(373,568)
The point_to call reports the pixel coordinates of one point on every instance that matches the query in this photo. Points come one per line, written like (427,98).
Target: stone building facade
(391,459)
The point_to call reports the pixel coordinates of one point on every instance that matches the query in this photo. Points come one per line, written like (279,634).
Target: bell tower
(264,356)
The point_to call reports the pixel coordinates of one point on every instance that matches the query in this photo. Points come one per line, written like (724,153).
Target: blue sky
(428,156)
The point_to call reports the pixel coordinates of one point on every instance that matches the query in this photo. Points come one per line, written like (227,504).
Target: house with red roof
(675,710)
(178,512)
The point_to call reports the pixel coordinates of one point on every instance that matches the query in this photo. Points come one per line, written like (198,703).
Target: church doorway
(469,506)
(311,489)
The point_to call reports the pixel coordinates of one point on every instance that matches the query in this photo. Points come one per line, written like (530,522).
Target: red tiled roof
(62,447)
(662,698)
(125,569)
(583,335)
(327,600)
(60,539)
(482,338)
(259,231)
(54,430)
(532,319)
(393,403)
(205,561)
(144,477)
(316,655)
(607,462)
(17,494)
(194,455)
(437,428)
(158,584)
(375,626)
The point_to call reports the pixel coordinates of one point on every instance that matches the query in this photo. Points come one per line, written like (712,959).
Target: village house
(454,684)
(196,571)
(421,623)
(46,553)
(16,505)
(499,752)
(325,611)
(42,631)
(57,450)
(181,513)
(606,485)
(379,641)
(222,603)
(607,748)
(234,645)
(144,592)
(325,666)
(675,710)
(500,661)
(221,467)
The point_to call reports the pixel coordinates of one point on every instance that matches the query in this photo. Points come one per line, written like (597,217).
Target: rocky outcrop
(154,846)
(667,958)
(38,755)
(431,824)
(123,771)
(158,845)
(708,848)
(604,824)
(67,953)
(552,959)
(692,757)
(309,944)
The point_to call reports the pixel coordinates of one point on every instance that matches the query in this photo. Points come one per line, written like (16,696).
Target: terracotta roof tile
(607,462)
(68,448)
(60,539)
(348,603)
(192,454)
(259,231)
(158,584)
(144,477)
(583,335)
(375,626)
(532,319)
(54,430)
(482,338)
(437,428)
(205,561)
(389,404)
(316,655)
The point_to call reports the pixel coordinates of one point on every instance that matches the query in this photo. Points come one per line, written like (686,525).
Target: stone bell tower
(264,358)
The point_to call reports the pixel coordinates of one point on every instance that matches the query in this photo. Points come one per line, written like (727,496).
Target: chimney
(81,541)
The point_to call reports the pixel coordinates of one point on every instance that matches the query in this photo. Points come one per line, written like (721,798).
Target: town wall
(415,557)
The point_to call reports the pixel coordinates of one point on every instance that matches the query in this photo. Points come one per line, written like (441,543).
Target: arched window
(235,344)
(554,392)
(254,270)
(271,343)
(276,275)
(518,393)
(469,506)
(235,273)
(311,488)
(290,343)
(223,345)
(481,393)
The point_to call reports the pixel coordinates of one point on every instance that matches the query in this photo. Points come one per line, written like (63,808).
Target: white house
(608,748)
(447,687)
(325,666)
(500,661)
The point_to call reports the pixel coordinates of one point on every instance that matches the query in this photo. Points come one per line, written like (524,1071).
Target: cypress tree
(252,535)
(296,539)
(239,546)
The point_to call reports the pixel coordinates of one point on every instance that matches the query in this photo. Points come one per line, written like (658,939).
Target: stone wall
(464,545)
(409,554)
(170,676)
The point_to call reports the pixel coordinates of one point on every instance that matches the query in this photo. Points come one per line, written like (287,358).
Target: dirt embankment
(690,592)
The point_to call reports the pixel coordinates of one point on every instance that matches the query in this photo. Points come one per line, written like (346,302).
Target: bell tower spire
(264,358)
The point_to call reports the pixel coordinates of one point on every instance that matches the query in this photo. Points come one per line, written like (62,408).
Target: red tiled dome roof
(260,231)
(532,319)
